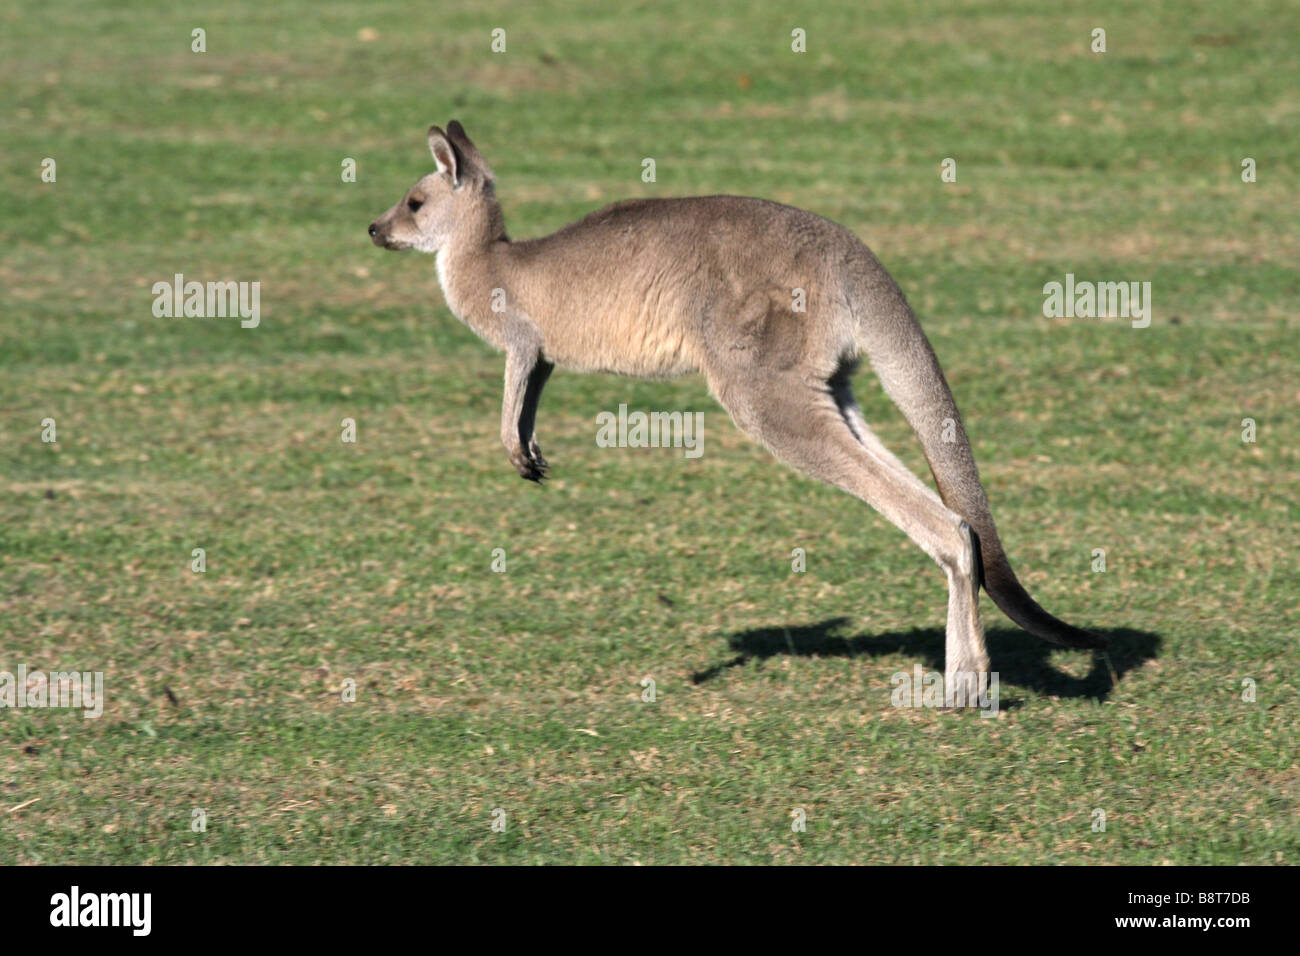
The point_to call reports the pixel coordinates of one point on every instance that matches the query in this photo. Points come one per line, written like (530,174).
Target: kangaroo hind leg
(807,427)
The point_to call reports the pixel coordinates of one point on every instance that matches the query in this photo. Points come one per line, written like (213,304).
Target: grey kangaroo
(664,287)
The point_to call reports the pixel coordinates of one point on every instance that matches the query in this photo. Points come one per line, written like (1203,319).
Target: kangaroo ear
(444,154)
(468,151)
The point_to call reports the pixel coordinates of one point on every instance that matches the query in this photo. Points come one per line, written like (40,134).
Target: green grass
(522,690)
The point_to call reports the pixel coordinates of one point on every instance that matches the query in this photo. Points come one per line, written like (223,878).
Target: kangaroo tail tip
(1016,604)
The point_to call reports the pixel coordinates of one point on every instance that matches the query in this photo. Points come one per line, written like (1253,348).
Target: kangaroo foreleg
(526,373)
(528,418)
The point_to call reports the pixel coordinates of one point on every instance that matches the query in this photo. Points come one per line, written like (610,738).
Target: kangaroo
(666,287)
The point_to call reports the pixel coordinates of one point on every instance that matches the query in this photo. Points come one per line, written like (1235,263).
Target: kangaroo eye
(414,204)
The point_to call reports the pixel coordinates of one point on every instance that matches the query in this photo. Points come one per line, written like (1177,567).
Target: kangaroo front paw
(529,468)
(535,451)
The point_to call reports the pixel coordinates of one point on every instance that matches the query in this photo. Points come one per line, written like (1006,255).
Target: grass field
(522,691)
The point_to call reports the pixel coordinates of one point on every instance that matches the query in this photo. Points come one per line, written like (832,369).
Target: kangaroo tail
(905,362)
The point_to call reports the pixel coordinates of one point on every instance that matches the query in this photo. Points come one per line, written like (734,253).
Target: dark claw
(530,469)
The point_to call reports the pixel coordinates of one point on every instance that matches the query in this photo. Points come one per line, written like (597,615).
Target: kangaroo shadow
(1019,658)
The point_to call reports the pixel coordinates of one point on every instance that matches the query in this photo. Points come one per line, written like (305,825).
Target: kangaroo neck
(474,283)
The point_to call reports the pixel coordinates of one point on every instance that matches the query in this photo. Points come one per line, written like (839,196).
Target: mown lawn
(522,691)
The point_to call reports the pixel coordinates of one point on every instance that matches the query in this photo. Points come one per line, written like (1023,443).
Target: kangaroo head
(456,203)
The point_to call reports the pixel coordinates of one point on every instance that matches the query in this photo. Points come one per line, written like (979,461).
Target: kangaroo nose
(372,230)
